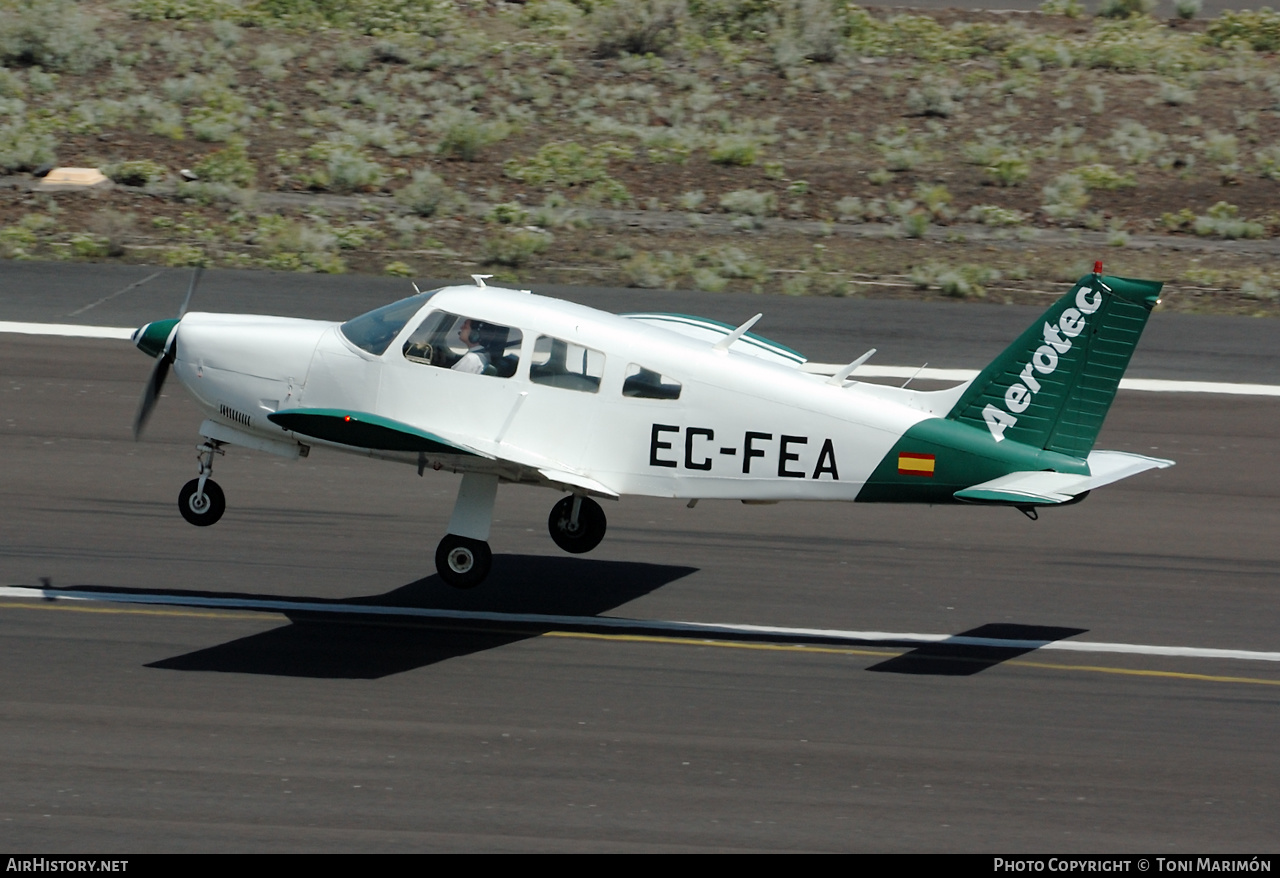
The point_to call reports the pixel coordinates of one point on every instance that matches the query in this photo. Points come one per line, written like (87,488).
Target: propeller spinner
(159,339)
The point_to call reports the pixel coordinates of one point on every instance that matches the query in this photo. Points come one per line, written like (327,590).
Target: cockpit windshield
(374,331)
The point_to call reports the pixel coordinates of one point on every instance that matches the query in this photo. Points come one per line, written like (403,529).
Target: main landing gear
(577,524)
(463,558)
(201,501)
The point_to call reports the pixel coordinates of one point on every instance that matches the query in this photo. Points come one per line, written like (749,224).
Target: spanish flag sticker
(910,464)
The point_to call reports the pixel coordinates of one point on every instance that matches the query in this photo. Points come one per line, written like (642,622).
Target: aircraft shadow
(946,659)
(331,645)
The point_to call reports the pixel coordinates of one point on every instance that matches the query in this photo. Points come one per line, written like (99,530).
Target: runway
(261,700)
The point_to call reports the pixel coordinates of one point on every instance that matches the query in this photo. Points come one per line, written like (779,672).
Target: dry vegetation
(806,146)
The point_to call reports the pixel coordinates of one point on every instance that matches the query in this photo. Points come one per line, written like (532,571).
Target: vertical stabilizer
(1052,388)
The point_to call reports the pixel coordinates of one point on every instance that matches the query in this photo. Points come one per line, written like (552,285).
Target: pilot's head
(469,332)
(475,333)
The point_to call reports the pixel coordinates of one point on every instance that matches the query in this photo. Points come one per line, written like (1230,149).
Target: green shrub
(136,173)
(749,202)
(1010,169)
(649,272)
(731,262)
(1135,142)
(1069,8)
(1065,196)
(1100,176)
(566,163)
(23,150)
(1257,29)
(708,280)
(735,151)
(464,135)
(228,165)
(637,27)
(508,214)
(397,269)
(1223,221)
(515,247)
(916,224)
(606,192)
(994,215)
(1125,8)
(959,281)
(52,34)
(346,169)
(427,194)
(183,256)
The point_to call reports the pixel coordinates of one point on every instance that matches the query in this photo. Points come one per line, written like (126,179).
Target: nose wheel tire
(588,532)
(201,509)
(463,562)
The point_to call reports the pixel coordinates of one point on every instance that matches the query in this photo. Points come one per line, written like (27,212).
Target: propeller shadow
(331,645)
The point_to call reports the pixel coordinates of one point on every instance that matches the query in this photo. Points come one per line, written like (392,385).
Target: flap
(574,480)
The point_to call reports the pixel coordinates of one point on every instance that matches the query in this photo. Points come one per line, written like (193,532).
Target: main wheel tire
(589,532)
(204,509)
(463,562)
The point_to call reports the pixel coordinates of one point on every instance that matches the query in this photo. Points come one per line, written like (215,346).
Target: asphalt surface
(161,728)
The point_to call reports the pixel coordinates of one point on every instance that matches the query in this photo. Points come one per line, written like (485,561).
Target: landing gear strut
(201,501)
(463,557)
(577,524)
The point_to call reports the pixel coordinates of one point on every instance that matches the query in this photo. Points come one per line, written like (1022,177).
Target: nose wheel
(201,507)
(201,501)
(577,524)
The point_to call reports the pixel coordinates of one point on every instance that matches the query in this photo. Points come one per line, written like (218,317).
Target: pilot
(484,344)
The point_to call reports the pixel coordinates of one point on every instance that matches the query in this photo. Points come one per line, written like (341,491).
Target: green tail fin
(1052,387)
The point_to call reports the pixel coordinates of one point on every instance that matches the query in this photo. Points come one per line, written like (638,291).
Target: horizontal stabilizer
(1049,488)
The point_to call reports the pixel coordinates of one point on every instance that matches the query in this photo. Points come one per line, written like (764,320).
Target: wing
(365,430)
(714,331)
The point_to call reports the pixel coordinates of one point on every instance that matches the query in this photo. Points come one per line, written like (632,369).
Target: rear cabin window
(463,344)
(642,383)
(559,363)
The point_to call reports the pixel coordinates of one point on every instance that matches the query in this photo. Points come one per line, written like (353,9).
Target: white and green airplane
(505,386)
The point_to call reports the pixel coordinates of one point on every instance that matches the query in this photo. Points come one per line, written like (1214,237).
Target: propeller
(147,338)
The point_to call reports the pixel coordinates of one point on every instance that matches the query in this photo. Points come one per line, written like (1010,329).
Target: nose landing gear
(201,501)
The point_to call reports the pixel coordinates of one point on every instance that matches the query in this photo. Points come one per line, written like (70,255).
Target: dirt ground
(821,134)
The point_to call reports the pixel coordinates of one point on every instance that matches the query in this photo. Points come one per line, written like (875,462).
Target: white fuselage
(741,428)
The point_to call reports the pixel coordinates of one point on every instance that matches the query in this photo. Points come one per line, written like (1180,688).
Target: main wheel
(589,531)
(463,562)
(204,509)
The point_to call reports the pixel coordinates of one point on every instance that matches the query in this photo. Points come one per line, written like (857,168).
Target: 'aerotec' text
(1057,341)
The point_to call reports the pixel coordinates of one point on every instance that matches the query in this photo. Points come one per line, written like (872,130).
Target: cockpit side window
(463,344)
(559,363)
(374,331)
(642,383)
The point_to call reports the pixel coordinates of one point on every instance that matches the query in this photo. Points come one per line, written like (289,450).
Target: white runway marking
(1150,385)
(598,623)
(70,330)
